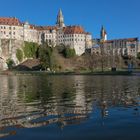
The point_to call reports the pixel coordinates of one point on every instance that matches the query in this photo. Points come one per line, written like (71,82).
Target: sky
(121,18)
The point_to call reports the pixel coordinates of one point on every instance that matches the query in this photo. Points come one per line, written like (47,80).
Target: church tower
(103,34)
(60,19)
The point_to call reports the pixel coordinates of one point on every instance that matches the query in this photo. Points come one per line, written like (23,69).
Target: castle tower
(60,19)
(103,34)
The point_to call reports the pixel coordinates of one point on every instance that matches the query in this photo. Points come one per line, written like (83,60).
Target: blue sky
(121,18)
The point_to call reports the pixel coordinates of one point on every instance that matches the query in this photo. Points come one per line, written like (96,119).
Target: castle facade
(73,36)
(126,47)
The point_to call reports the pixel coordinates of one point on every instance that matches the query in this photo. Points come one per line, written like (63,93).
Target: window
(132,46)
(4,27)
(14,28)
(9,28)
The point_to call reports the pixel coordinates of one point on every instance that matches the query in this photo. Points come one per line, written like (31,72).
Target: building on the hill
(121,47)
(72,36)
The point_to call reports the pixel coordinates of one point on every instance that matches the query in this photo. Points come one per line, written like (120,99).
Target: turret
(60,19)
(103,34)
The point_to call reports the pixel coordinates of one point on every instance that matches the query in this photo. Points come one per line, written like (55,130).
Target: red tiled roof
(45,27)
(73,30)
(88,33)
(125,39)
(32,26)
(67,29)
(132,39)
(50,27)
(109,41)
(9,21)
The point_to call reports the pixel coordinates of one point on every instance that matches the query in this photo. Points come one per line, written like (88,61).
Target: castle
(72,36)
(122,47)
(75,37)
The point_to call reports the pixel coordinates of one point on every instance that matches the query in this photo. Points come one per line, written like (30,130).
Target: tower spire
(103,33)
(60,19)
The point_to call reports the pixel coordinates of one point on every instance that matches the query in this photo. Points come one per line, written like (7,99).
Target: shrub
(19,55)
(45,55)
(60,48)
(68,52)
(30,49)
(10,63)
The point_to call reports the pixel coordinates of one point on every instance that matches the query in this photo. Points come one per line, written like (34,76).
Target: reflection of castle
(16,111)
(63,101)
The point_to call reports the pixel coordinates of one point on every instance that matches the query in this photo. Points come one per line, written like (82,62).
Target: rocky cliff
(8,50)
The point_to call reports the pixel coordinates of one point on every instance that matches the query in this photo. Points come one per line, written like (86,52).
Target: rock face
(8,50)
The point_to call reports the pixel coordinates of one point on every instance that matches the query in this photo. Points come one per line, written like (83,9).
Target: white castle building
(126,47)
(72,36)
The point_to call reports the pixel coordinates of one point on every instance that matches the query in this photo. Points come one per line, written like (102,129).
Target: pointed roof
(60,19)
(60,12)
(103,29)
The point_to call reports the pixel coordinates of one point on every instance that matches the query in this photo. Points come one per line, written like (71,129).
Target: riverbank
(65,73)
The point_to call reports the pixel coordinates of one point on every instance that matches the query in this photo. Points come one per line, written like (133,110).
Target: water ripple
(66,101)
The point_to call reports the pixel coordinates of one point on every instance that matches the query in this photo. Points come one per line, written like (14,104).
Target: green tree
(68,52)
(30,49)
(19,55)
(45,56)
(10,63)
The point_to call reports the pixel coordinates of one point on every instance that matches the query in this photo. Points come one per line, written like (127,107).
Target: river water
(69,107)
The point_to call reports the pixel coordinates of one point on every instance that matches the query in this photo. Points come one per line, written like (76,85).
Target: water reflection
(33,101)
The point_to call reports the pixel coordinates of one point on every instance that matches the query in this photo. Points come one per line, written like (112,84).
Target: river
(69,107)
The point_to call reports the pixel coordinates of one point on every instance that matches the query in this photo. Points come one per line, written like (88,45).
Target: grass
(39,73)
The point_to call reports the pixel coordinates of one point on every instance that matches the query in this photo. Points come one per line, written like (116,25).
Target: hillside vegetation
(32,56)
